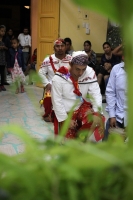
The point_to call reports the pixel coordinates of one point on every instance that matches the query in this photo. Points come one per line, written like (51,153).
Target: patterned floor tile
(24,110)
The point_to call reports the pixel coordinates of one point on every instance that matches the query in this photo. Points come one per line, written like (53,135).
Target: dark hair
(87,41)
(15,39)
(9,29)
(25,27)
(106,43)
(68,40)
(2,26)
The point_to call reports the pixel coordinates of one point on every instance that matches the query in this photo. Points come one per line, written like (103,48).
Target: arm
(56,96)
(111,97)
(118,51)
(95,94)
(43,72)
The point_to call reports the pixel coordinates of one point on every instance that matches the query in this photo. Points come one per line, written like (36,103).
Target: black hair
(9,29)
(15,38)
(68,40)
(25,27)
(106,43)
(2,26)
(87,41)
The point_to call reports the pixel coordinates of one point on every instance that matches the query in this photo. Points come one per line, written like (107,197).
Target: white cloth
(46,71)
(25,40)
(63,97)
(77,53)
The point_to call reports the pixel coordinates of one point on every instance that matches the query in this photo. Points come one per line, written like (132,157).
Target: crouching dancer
(68,85)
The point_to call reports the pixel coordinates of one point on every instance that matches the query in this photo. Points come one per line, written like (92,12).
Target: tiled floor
(23,109)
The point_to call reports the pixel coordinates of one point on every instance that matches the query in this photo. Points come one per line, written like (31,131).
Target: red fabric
(81,117)
(47,106)
(76,87)
(56,126)
(52,64)
(63,70)
(34,58)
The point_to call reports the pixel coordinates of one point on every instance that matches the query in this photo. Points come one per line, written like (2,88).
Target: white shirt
(63,97)
(46,71)
(25,40)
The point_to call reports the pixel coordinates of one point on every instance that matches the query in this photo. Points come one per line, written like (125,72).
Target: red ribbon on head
(59,41)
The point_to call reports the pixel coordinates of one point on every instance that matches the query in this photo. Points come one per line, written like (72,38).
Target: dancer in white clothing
(48,69)
(73,84)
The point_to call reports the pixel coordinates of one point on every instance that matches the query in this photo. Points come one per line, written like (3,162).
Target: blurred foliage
(50,170)
(74,171)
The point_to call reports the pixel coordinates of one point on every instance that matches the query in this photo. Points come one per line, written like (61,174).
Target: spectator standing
(7,43)
(16,64)
(10,34)
(3,50)
(25,43)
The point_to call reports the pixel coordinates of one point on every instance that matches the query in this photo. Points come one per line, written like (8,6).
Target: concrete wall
(72,19)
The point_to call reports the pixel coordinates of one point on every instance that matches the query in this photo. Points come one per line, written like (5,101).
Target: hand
(48,87)
(73,124)
(107,66)
(97,122)
(112,122)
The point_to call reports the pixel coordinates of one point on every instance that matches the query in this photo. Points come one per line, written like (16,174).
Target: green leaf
(108,8)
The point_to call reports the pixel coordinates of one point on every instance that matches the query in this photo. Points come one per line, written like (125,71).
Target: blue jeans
(106,133)
(26,57)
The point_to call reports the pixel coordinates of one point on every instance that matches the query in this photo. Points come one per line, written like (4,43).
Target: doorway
(14,15)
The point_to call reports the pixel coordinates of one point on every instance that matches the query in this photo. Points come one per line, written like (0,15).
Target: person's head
(2,30)
(107,47)
(87,46)
(25,31)
(15,43)
(10,32)
(78,64)
(59,47)
(68,44)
